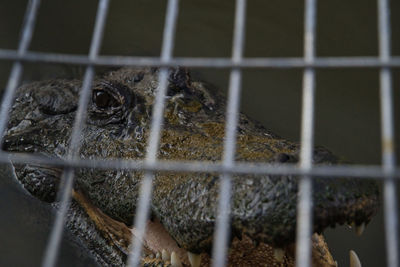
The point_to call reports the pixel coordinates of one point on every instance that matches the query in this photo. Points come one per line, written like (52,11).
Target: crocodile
(183,205)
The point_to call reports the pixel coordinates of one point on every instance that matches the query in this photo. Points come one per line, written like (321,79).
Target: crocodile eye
(104,100)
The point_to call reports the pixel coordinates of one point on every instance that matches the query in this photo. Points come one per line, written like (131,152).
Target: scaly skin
(263,207)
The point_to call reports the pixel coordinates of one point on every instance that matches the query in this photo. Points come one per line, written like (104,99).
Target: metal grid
(227,167)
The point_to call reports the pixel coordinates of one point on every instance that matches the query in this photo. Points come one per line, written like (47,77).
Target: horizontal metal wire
(359,171)
(203,62)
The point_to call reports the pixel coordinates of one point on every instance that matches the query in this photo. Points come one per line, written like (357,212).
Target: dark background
(347,100)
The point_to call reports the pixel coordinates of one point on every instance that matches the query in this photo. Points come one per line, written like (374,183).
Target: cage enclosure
(349,65)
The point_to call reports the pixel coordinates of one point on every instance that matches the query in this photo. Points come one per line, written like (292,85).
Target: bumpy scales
(119,113)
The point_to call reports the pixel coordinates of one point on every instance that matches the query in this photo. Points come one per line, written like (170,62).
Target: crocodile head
(263,207)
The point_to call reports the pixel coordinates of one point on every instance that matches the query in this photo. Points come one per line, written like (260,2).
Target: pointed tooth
(354,260)
(279,254)
(336,264)
(158,255)
(194,259)
(360,229)
(164,255)
(175,261)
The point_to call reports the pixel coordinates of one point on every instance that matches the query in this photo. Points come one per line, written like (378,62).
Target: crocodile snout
(263,206)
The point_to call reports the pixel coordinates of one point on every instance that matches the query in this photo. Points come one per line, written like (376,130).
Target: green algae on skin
(119,113)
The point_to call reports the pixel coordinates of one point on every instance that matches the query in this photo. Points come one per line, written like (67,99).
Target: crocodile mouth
(160,249)
(246,248)
(41,181)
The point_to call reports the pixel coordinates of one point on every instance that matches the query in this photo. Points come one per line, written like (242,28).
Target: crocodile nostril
(5,144)
(138,77)
(283,157)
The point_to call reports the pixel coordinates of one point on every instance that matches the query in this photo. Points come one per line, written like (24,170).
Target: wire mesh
(227,167)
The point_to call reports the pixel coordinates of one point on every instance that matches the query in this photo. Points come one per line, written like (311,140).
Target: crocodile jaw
(159,245)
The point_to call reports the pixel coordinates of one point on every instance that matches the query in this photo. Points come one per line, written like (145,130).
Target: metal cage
(305,169)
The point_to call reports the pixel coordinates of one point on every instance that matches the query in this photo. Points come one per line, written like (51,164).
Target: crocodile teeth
(360,229)
(158,255)
(352,225)
(175,261)
(279,254)
(354,260)
(194,259)
(164,255)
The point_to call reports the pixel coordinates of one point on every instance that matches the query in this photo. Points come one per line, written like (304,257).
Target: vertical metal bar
(387,132)
(222,228)
(304,206)
(143,206)
(53,244)
(17,69)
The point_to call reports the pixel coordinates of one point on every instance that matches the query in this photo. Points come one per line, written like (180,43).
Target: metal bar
(257,62)
(304,205)
(387,129)
(64,194)
(143,206)
(17,69)
(258,169)
(222,229)
(53,244)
